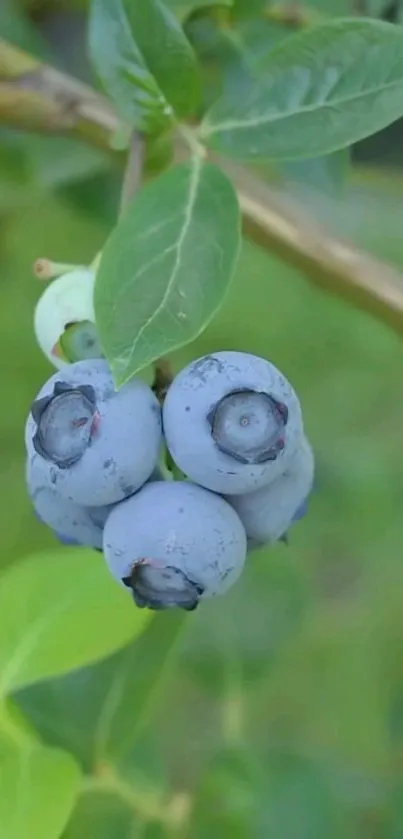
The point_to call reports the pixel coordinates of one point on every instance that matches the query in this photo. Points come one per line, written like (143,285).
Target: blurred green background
(283,715)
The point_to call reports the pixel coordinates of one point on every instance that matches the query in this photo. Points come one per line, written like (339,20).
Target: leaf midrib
(207,130)
(194,181)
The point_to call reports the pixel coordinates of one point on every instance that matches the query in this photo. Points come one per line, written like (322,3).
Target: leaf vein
(178,247)
(208,129)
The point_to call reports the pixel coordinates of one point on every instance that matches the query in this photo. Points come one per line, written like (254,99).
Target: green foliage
(100,714)
(167,53)
(159,284)
(42,598)
(319,91)
(122,69)
(230,50)
(282,659)
(39,787)
(144,61)
(221,55)
(182,8)
(101,815)
(280,711)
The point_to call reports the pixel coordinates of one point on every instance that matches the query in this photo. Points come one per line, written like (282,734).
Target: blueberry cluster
(233,426)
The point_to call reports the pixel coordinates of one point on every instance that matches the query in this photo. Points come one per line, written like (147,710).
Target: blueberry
(232,422)
(173,544)
(64,319)
(268,512)
(97,445)
(65,423)
(72,524)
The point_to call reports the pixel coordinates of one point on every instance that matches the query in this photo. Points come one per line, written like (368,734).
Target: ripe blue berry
(268,512)
(72,524)
(97,445)
(173,544)
(232,422)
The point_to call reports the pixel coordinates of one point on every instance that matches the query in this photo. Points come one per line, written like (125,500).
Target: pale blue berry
(98,445)
(173,544)
(232,422)
(268,512)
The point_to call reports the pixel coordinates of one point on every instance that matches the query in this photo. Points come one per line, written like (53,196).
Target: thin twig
(278,224)
(38,98)
(133,172)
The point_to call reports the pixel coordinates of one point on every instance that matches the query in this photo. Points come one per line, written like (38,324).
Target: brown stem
(280,225)
(36,97)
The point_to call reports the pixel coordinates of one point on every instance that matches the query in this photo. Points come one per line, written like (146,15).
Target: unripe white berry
(66,303)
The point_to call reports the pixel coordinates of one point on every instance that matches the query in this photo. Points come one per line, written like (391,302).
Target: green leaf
(38,790)
(100,815)
(249,8)
(331,8)
(220,51)
(59,611)
(122,69)
(166,53)
(144,61)
(100,712)
(183,8)
(136,684)
(259,36)
(228,51)
(167,266)
(319,91)
(159,154)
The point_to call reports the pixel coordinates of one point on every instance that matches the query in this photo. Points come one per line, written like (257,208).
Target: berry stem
(45,269)
(133,172)
(163,377)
